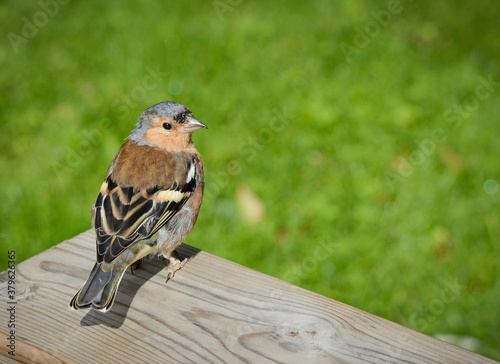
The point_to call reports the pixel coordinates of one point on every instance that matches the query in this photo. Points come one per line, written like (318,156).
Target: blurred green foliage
(361,127)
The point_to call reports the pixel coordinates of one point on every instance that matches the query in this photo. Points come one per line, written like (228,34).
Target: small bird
(148,202)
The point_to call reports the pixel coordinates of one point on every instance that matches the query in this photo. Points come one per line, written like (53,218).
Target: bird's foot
(174,264)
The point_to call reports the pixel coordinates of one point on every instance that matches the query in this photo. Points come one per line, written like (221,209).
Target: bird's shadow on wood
(130,285)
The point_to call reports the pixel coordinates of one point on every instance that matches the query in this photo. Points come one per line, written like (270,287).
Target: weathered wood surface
(213,310)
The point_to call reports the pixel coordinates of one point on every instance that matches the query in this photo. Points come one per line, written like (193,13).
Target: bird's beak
(193,125)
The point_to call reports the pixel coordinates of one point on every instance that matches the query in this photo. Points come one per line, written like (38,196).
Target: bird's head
(166,125)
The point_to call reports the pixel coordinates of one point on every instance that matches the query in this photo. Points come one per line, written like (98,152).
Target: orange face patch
(170,139)
(156,135)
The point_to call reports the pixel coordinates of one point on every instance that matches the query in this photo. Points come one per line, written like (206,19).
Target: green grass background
(362,204)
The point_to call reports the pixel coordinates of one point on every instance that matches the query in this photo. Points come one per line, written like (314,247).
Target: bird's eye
(167,126)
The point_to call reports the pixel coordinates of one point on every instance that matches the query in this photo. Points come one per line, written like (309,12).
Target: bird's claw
(174,264)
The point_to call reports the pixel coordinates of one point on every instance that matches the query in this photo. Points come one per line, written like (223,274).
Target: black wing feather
(130,216)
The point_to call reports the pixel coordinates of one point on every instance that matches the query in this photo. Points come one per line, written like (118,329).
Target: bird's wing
(124,214)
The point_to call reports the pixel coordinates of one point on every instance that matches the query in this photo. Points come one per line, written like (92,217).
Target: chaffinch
(148,202)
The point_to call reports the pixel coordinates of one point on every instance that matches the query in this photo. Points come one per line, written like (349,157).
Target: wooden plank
(213,310)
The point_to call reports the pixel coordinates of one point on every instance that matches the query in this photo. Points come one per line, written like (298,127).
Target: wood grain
(212,311)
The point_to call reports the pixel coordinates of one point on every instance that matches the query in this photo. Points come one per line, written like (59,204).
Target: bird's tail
(99,290)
